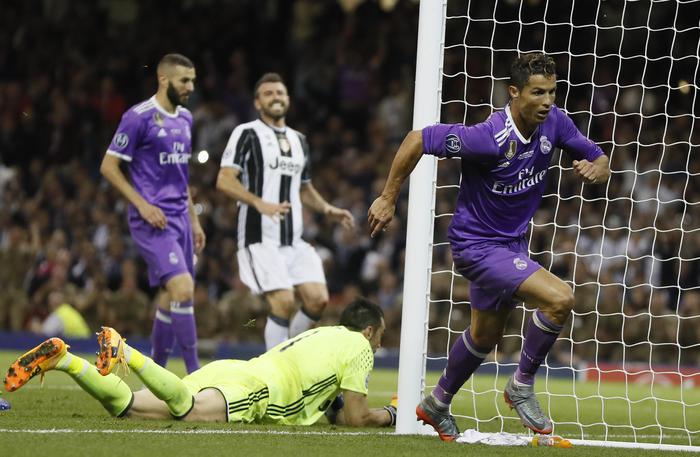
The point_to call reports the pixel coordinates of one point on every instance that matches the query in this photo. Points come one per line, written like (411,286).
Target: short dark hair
(176,59)
(534,63)
(360,314)
(269,77)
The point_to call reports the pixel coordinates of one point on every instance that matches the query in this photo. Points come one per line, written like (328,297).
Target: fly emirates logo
(177,157)
(526,179)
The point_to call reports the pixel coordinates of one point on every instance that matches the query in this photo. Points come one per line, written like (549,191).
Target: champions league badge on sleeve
(121,140)
(545,145)
(452,143)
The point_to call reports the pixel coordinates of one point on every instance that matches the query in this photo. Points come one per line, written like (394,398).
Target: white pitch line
(190,432)
(257,432)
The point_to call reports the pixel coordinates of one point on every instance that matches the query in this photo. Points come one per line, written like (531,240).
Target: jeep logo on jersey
(286,165)
(120,140)
(452,143)
(545,145)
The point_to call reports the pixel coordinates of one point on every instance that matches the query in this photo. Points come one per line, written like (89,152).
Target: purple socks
(464,358)
(162,337)
(539,339)
(185,331)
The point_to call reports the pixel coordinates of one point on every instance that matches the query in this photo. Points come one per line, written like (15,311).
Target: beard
(275,115)
(173,96)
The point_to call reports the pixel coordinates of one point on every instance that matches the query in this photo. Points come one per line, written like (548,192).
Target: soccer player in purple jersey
(154,137)
(504,166)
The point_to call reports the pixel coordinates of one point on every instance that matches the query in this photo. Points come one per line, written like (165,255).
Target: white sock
(276,331)
(301,322)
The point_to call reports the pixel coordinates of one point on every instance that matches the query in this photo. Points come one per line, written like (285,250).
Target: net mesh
(626,366)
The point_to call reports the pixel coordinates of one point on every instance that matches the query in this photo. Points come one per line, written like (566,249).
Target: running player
(504,166)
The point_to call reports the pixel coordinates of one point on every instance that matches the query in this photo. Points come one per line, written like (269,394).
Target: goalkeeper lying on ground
(293,383)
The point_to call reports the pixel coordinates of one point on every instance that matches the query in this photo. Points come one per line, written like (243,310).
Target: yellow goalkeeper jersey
(304,374)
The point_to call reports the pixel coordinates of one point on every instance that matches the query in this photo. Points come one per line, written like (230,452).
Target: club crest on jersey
(120,140)
(158,119)
(510,153)
(545,145)
(519,263)
(452,143)
(284,145)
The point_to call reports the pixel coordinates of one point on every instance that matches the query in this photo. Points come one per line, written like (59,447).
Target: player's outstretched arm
(228,182)
(111,171)
(382,210)
(356,412)
(596,172)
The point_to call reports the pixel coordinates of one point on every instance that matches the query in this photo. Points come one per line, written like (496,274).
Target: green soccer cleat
(37,361)
(111,353)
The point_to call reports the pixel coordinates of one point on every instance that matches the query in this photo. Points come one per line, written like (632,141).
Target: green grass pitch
(61,420)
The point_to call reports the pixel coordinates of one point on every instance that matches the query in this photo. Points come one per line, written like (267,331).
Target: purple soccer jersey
(503,179)
(158,146)
(503,173)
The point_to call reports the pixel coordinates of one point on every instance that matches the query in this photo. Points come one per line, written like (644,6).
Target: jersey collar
(515,127)
(276,129)
(163,110)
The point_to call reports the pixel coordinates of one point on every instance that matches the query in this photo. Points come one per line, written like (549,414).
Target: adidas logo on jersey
(162,133)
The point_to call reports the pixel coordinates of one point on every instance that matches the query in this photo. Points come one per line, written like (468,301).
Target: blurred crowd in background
(68,70)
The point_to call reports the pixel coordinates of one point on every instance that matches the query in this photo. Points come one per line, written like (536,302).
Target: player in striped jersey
(154,137)
(504,164)
(266,168)
(292,384)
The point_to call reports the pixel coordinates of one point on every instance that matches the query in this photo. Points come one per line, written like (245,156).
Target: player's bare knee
(283,306)
(485,340)
(560,304)
(182,294)
(317,304)
(181,290)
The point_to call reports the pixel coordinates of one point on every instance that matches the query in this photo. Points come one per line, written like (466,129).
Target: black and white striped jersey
(274,163)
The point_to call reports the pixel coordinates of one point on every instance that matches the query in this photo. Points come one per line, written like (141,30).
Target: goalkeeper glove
(391,409)
(334,408)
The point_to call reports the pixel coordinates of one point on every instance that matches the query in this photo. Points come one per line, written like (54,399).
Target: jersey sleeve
(571,140)
(237,148)
(355,376)
(475,142)
(306,171)
(128,136)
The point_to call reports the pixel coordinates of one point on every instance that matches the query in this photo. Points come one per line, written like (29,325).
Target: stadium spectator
(266,167)
(292,384)
(162,219)
(505,160)
(65,320)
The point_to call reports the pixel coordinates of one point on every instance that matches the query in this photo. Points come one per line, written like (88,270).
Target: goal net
(626,368)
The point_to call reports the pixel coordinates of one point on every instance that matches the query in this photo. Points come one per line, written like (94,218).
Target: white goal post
(625,371)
